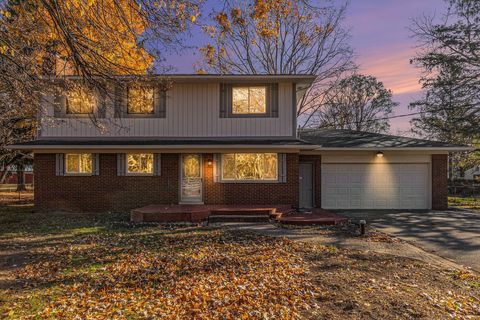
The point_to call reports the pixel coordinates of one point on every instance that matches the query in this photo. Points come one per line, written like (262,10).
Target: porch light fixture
(209,162)
(379,154)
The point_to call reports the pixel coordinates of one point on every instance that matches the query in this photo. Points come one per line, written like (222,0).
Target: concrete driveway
(452,234)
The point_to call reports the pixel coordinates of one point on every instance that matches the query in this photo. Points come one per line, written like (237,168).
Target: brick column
(439,181)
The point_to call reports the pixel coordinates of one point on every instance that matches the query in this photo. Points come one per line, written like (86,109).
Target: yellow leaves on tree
(106,33)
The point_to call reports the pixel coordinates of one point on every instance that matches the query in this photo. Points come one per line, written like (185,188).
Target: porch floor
(283,214)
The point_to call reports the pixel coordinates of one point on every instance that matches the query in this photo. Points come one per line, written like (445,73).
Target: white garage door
(375,186)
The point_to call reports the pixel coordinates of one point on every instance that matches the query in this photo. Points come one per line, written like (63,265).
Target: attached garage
(376,185)
(362,170)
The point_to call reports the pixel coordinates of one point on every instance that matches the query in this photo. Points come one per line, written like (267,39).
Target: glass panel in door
(191,178)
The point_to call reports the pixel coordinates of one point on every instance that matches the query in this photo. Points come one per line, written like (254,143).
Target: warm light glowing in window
(191,166)
(78,163)
(140,163)
(250,166)
(249,100)
(140,100)
(80,101)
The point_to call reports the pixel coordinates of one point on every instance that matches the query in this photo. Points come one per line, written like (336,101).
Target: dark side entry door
(306,185)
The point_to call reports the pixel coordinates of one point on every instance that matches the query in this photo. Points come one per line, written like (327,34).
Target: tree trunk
(21,177)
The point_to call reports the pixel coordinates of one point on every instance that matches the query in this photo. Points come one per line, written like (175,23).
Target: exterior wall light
(209,162)
(379,154)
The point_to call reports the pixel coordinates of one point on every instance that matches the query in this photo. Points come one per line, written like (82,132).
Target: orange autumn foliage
(106,32)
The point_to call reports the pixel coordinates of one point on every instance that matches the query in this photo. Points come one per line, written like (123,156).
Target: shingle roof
(333,138)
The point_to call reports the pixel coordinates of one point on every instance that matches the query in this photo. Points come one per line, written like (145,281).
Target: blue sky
(380,38)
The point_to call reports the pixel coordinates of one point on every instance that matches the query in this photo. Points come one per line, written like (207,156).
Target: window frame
(128,173)
(220,168)
(268,107)
(65,164)
(139,114)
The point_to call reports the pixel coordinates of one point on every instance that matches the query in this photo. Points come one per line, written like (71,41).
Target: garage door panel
(375,186)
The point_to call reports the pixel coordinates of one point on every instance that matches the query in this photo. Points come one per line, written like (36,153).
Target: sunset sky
(381,40)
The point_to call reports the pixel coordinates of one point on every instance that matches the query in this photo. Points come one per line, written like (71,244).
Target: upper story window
(249,166)
(78,163)
(139,163)
(80,101)
(140,100)
(249,100)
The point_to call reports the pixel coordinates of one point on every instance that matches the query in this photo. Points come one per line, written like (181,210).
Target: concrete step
(239,218)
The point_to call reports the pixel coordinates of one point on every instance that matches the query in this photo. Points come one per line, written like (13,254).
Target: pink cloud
(392,66)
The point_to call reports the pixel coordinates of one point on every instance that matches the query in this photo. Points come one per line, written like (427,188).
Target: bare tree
(280,37)
(359,103)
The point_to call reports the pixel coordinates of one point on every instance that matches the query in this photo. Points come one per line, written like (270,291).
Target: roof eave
(450,149)
(160,147)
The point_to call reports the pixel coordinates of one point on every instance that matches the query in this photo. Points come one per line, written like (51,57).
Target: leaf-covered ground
(70,266)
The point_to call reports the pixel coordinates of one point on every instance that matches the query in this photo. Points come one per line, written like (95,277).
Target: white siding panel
(192,111)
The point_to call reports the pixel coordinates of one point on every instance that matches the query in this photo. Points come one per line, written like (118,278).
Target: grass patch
(464,202)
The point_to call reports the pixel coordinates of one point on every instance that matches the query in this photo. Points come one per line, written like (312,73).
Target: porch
(283,214)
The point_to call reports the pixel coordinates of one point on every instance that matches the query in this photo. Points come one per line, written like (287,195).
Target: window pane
(245,165)
(140,163)
(86,163)
(270,168)
(80,101)
(140,100)
(228,166)
(240,100)
(258,101)
(191,166)
(73,163)
(250,166)
(78,163)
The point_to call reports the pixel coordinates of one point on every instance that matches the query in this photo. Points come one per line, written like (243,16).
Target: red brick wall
(109,192)
(439,181)
(252,193)
(317,176)
(105,192)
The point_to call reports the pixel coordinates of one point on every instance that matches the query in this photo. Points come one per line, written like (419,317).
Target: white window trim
(139,174)
(222,180)
(66,173)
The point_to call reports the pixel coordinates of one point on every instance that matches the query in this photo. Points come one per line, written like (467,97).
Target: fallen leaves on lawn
(180,276)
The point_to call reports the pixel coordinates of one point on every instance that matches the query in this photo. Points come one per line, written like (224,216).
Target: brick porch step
(238,218)
(243,211)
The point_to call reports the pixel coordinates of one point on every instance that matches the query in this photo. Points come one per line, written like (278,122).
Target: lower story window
(250,166)
(77,163)
(140,163)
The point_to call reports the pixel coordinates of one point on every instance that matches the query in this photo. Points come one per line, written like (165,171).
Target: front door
(191,184)
(306,185)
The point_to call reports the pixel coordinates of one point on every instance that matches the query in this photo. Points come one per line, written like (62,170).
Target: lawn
(464,202)
(73,266)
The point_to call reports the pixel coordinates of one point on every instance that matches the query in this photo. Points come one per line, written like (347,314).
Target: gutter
(449,149)
(173,147)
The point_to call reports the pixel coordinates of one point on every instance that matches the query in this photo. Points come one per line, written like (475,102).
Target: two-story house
(221,139)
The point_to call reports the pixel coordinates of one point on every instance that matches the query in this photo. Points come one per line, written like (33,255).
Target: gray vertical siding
(192,111)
